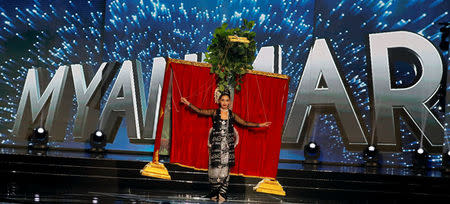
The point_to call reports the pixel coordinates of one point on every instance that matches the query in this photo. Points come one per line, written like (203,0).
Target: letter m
(49,109)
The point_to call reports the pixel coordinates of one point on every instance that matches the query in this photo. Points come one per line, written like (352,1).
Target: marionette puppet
(230,54)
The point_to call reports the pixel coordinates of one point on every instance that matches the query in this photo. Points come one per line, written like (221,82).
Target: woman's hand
(186,102)
(266,124)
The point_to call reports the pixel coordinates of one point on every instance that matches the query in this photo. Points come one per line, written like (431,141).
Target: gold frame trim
(202,64)
(199,64)
(268,74)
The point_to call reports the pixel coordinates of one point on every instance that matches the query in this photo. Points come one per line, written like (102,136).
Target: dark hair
(224,94)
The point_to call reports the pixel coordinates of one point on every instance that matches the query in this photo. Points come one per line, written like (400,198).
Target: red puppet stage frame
(262,98)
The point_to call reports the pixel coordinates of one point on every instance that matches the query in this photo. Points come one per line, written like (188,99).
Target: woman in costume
(221,142)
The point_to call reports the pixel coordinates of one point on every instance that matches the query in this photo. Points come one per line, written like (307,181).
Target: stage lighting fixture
(446,162)
(311,152)
(420,158)
(371,156)
(38,139)
(98,141)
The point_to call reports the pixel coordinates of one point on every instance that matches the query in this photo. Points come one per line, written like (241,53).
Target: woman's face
(224,102)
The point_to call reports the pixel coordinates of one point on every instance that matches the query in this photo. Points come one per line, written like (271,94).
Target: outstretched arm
(249,124)
(206,112)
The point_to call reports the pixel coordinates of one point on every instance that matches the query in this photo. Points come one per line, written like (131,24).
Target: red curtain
(190,130)
(261,99)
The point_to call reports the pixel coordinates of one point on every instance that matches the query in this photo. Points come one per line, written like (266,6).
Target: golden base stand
(269,186)
(156,169)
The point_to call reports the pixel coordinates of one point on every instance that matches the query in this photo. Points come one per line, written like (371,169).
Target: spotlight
(38,139)
(420,151)
(420,159)
(40,130)
(371,156)
(98,141)
(446,162)
(311,152)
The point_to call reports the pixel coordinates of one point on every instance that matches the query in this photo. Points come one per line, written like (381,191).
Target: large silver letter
(155,91)
(51,109)
(410,100)
(320,66)
(125,100)
(89,97)
(198,57)
(268,59)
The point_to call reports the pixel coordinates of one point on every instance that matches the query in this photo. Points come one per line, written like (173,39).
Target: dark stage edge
(57,176)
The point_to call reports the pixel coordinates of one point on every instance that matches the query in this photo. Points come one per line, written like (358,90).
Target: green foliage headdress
(231,53)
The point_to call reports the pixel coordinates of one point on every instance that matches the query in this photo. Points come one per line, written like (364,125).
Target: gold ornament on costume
(216,95)
(235,38)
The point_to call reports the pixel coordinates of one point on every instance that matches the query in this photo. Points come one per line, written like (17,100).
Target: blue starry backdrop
(48,34)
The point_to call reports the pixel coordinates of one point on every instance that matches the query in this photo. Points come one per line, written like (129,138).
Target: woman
(221,143)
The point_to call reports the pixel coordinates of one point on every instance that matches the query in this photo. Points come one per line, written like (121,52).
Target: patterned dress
(219,175)
(221,153)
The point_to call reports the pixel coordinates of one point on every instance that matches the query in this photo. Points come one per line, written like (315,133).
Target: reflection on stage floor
(56,176)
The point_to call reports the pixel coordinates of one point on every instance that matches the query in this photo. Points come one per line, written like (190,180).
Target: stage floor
(79,177)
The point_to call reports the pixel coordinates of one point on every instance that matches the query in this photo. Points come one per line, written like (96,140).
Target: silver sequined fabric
(220,173)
